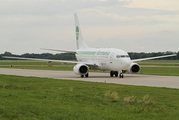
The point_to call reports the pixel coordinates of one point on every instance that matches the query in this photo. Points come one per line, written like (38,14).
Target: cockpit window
(122,56)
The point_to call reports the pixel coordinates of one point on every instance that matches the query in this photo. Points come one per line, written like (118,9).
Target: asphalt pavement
(129,79)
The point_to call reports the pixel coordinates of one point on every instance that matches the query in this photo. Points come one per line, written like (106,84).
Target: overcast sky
(131,25)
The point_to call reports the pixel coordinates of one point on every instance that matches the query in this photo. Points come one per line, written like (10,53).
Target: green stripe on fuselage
(93,53)
(86,53)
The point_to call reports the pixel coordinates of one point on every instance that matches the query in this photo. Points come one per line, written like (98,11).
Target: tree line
(61,56)
(134,55)
(71,56)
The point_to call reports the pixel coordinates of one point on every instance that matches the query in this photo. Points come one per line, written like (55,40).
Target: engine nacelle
(134,68)
(80,69)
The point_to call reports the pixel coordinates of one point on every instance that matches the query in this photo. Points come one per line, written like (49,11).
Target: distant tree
(178,55)
(7,53)
(146,55)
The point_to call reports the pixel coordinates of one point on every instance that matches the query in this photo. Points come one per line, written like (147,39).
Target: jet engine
(134,68)
(80,69)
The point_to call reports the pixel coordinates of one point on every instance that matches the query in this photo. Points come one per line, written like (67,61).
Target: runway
(129,79)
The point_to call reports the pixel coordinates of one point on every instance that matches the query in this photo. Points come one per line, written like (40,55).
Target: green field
(30,98)
(160,62)
(163,67)
(160,71)
(27,62)
(160,67)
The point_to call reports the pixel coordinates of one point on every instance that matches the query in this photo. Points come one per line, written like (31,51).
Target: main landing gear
(85,75)
(112,73)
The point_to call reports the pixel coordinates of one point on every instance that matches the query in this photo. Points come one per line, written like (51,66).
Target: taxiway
(129,79)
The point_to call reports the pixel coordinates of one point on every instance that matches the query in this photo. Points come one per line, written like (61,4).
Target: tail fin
(79,39)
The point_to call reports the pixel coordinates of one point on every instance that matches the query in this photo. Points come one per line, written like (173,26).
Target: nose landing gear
(121,75)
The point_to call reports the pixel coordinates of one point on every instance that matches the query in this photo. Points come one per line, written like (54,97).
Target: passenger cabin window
(118,56)
(122,56)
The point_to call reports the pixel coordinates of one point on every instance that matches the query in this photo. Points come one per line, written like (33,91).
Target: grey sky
(131,25)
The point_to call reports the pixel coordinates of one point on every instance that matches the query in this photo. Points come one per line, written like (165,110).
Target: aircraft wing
(67,51)
(150,58)
(48,60)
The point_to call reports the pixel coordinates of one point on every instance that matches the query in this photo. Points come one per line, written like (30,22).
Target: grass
(27,62)
(160,71)
(156,64)
(60,67)
(29,98)
(160,62)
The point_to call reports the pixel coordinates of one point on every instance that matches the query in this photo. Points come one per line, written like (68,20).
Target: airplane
(116,61)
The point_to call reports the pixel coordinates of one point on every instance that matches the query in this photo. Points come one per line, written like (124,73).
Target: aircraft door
(111,58)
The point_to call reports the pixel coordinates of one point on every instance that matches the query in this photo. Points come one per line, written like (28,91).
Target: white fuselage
(105,58)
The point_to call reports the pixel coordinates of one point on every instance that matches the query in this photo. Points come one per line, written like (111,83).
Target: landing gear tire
(121,75)
(87,75)
(116,74)
(111,73)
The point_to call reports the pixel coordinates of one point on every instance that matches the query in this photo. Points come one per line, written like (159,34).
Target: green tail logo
(77,32)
